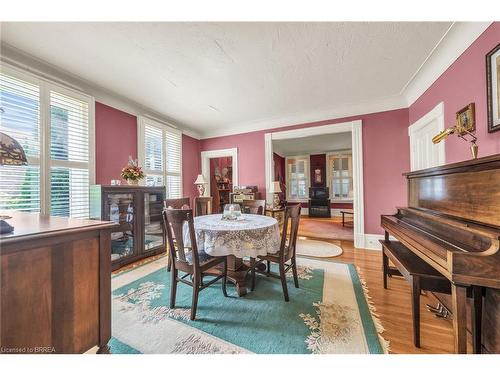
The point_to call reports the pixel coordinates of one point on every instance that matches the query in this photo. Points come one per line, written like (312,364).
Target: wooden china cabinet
(137,211)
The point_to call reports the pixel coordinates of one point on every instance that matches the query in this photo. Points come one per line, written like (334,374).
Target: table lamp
(276,189)
(11,153)
(200,184)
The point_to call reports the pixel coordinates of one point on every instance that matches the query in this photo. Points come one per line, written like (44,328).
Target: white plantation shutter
(173,144)
(153,160)
(160,153)
(20,119)
(54,125)
(69,156)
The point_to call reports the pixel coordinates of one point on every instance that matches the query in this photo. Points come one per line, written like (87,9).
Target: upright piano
(452,222)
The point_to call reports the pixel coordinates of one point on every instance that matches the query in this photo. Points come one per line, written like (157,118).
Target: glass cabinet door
(153,231)
(120,208)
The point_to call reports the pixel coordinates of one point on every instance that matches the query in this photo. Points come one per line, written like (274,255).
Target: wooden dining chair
(203,206)
(285,254)
(255,207)
(189,260)
(178,203)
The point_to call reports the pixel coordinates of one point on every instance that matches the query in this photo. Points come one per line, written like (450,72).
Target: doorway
(231,163)
(221,181)
(352,127)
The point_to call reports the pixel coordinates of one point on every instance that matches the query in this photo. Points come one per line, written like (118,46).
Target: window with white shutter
(297,179)
(160,154)
(339,175)
(20,119)
(69,155)
(54,125)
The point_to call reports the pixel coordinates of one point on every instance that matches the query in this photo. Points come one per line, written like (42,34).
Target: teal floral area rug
(330,313)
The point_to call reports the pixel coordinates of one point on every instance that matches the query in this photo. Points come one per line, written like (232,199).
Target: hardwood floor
(329,228)
(394,306)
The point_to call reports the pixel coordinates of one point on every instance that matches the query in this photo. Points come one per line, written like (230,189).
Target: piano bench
(418,273)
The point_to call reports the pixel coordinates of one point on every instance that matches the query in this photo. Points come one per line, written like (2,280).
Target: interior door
(424,153)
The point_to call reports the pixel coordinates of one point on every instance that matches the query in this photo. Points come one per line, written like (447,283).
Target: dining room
(178,192)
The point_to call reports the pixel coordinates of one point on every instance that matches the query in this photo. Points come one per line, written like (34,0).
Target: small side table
(277,213)
(343,217)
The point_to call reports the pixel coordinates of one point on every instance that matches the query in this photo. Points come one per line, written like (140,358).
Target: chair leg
(169,262)
(224,279)
(295,274)
(252,272)
(415,304)
(268,273)
(196,290)
(283,281)
(173,287)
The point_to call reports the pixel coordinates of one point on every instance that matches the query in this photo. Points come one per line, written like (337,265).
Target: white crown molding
(458,38)
(323,115)
(20,60)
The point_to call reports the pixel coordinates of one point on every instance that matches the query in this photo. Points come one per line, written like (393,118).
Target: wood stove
(319,202)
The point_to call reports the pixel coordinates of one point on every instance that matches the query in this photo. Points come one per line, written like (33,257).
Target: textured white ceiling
(317,144)
(218,76)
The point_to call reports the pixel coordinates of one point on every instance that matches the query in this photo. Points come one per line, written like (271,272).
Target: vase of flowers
(132,173)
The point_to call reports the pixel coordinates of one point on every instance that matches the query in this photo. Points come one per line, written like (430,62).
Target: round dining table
(247,236)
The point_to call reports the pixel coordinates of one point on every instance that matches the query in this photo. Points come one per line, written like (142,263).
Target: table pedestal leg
(237,271)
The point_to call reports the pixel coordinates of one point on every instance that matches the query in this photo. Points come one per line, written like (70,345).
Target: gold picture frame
(466,119)
(493,88)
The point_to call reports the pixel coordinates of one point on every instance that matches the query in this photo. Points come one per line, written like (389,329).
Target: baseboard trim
(371,241)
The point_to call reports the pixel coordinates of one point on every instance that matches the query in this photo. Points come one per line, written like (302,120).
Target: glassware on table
(231,212)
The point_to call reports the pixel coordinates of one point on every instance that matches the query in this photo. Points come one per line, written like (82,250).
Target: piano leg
(459,304)
(477,311)
(415,308)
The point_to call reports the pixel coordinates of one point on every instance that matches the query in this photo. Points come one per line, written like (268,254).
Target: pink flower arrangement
(132,171)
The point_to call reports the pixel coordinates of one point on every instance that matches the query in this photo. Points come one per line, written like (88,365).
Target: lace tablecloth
(250,236)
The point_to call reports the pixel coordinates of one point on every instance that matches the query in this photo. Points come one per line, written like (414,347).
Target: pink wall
(385,154)
(191,165)
(462,83)
(115,140)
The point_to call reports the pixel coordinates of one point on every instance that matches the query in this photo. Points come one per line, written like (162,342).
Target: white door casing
(355,127)
(424,153)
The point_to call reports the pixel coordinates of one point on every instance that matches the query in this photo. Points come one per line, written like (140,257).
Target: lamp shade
(200,180)
(275,187)
(11,152)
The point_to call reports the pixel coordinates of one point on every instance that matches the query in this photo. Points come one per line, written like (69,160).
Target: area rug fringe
(376,319)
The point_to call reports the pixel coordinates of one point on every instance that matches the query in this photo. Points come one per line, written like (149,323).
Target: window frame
(144,121)
(329,174)
(44,161)
(306,158)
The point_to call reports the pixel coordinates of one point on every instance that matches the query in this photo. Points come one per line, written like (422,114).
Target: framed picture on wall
(317,176)
(493,87)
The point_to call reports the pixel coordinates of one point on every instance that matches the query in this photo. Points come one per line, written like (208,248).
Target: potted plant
(132,173)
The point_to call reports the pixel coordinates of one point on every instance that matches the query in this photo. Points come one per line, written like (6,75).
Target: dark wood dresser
(55,281)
